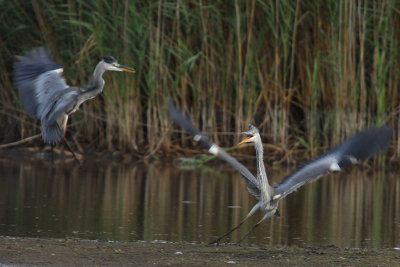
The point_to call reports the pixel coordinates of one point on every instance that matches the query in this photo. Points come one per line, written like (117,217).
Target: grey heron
(360,146)
(46,96)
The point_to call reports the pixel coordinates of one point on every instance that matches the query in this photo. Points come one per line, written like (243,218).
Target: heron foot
(238,243)
(215,242)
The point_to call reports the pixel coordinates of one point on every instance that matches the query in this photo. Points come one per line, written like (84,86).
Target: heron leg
(251,230)
(216,241)
(253,210)
(70,149)
(52,154)
(269,214)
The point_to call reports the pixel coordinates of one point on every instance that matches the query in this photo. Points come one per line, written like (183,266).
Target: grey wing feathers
(364,144)
(51,132)
(359,146)
(54,117)
(37,77)
(252,182)
(186,124)
(252,188)
(310,171)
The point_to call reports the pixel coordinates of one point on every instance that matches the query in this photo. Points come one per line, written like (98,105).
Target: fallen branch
(20,141)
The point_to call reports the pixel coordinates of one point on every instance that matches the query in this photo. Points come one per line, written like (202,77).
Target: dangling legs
(52,155)
(253,210)
(269,214)
(64,127)
(70,149)
(251,230)
(216,241)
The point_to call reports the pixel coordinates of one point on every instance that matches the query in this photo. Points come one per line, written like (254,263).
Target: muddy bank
(70,252)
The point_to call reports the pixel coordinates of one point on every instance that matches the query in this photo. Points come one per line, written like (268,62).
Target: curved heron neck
(96,84)
(261,174)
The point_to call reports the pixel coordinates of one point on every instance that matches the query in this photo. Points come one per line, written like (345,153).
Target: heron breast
(62,121)
(269,205)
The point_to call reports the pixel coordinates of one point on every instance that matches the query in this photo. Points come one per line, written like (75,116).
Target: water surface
(108,200)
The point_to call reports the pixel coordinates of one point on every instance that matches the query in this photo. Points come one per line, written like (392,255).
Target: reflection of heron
(45,94)
(359,146)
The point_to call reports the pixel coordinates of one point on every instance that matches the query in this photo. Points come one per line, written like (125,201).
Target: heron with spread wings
(46,96)
(360,146)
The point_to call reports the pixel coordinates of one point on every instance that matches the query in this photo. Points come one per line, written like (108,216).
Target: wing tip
(186,124)
(51,134)
(33,63)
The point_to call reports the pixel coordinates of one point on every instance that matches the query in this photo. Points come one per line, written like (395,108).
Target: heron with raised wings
(46,96)
(360,146)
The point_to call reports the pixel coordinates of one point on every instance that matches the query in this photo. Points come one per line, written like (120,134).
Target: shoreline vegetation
(307,73)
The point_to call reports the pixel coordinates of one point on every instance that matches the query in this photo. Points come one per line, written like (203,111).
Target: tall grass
(308,73)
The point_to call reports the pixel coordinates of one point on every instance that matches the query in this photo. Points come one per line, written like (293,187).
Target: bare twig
(20,141)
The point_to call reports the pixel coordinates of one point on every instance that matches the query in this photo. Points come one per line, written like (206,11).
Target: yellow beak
(245,140)
(127,69)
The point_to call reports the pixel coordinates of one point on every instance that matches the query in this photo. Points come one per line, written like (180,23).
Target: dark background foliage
(307,73)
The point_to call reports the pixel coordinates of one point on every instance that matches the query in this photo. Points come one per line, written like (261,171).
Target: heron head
(251,135)
(111,63)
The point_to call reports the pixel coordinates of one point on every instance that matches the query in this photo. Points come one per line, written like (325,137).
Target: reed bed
(307,73)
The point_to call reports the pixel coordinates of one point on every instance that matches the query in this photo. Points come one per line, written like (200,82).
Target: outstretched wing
(187,125)
(37,78)
(55,115)
(360,146)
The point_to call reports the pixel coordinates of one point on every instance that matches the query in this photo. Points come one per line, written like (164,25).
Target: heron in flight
(360,146)
(46,96)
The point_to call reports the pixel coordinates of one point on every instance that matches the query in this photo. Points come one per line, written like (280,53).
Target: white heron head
(251,135)
(110,63)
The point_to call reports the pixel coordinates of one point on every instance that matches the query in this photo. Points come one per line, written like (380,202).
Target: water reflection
(110,201)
